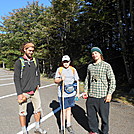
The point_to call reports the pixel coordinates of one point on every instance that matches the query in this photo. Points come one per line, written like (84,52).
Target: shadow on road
(54,105)
(80,116)
(78,113)
(30,111)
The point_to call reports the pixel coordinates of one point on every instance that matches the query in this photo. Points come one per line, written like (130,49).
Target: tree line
(72,27)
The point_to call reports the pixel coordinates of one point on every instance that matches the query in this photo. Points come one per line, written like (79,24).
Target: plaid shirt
(100,80)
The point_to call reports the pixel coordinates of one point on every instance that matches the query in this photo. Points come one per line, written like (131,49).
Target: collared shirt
(100,80)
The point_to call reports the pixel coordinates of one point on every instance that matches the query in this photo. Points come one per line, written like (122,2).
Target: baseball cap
(66,57)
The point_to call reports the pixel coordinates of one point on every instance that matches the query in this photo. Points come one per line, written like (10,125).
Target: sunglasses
(65,61)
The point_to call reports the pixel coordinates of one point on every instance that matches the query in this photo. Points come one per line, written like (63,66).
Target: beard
(29,55)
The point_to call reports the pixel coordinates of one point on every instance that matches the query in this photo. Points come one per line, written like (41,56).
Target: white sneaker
(40,131)
(44,132)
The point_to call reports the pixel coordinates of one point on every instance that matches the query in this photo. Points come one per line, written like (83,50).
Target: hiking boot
(40,131)
(70,130)
(61,131)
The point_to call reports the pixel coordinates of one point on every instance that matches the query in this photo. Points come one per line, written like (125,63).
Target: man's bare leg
(23,123)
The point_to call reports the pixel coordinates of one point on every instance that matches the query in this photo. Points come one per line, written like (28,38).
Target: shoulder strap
(34,60)
(61,68)
(22,62)
(35,63)
(72,68)
(23,65)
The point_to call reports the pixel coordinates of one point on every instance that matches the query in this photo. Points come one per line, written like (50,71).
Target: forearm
(112,87)
(18,88)
(38,71)
(58,80)
(78,87)
(39,81)
(17,84)
(111,81)
(86,85)
(17,77)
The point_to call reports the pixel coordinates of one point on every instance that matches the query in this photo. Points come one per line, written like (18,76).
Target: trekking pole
(63,112)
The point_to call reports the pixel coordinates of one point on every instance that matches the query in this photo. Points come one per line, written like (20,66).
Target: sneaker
(70,130)
(40,131)
(93,133)
(61,131)
(25,132)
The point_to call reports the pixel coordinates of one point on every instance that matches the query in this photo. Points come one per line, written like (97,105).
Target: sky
(8,5)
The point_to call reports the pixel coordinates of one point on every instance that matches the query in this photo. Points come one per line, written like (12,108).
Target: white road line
(5,76)
(7,79)
(44,118)
(48,85)
(6,84)
(6,96)
(13,83)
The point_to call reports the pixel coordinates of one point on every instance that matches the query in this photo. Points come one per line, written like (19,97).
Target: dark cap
(96,49)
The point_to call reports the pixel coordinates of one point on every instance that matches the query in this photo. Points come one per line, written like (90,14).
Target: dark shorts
(68,102)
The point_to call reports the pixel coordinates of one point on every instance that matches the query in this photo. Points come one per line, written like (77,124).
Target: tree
(126,32)
(72,27)
(23,25)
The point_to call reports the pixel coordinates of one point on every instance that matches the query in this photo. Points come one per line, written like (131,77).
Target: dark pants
(94,106)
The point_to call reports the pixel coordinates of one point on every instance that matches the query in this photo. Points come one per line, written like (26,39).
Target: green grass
(123,96)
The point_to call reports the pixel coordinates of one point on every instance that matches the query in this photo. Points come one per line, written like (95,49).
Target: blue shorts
(68,102)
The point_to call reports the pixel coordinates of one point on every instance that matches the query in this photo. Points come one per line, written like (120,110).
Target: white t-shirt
(71,75)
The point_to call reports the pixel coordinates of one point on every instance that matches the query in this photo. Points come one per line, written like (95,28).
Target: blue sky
(8,5)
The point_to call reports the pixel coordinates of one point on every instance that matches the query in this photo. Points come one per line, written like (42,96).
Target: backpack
(70,88)
(23,65)
(61,68)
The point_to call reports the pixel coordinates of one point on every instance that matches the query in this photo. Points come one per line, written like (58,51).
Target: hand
(22,98)
(108,98)
(85,95)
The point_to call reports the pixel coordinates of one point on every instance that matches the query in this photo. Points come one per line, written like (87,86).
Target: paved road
(121,116)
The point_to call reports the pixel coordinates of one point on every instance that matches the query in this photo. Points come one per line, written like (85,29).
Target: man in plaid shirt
(99,86)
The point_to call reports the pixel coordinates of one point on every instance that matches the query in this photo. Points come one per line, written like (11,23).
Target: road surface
(121,115)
